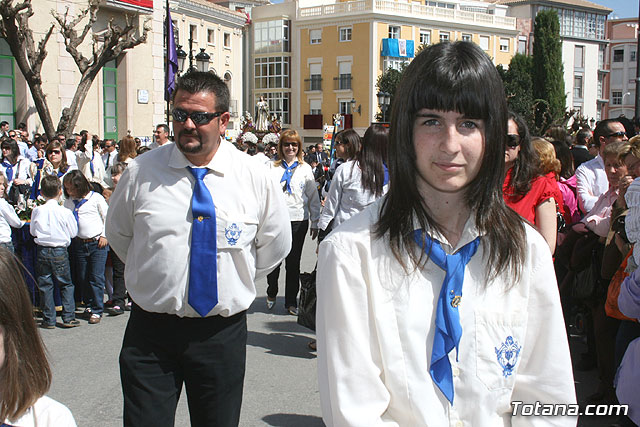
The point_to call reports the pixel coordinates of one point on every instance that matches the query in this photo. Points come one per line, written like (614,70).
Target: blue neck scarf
(35,188)
(93,153)
(448,329)
(8,170)
(386,174)
(288,174)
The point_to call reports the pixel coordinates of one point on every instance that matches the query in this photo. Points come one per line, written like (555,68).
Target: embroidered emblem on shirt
(232,233)
(302,186)
(507,355)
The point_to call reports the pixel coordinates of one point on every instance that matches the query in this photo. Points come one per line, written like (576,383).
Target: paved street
(280,386)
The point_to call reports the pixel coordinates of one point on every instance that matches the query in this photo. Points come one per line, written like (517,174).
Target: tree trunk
(69,116)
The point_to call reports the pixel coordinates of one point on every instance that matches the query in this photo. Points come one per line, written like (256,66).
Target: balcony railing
(342,82)
(314,83)
(408,9)
(312,121)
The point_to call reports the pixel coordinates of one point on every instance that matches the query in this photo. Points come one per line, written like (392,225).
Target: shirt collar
(469,233)
(220,163)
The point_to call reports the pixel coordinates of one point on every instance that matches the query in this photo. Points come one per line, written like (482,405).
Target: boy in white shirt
(53,227)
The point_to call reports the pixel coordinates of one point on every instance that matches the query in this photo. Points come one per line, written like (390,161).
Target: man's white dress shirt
(92,216)
(8,218)
(375,329)
(53,225)
(71,159)
(346,196)
(149,227)
(592,182)
(84,160)
(303,201)
(110,159)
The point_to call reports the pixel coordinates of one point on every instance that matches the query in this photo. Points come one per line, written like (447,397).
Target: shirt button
(455,371)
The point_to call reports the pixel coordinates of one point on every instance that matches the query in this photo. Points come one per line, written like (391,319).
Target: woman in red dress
(525,189)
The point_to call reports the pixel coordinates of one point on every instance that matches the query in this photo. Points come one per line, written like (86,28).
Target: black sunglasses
(289,144)
(513,140)
(198,117)
(617,134)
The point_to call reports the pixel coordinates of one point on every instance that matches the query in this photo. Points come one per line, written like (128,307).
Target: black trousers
(292,265)
(160,352)
(119,287)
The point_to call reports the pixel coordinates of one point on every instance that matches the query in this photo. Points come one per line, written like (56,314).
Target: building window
(279,104)
(577,87)
(315,106)
(616,98)
(110,103)
(618,55)
(425,37)
(193,32)
(345,34)
(632,56)
(578,57)
(227,40)
(211,36)
(315,76)
(394,32)
(601,57)
(271,72)
(466,37)
(271,36)
(7,77)
(444,36)
(484,42)
(522,44)
(393,62)
(504,45)
(345,107)
(600,86)
(344,76)
(315,36)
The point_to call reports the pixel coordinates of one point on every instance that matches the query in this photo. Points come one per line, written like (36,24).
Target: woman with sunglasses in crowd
(301,195)
(525,189)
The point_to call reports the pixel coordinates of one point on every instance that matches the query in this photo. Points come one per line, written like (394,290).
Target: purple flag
(172,58)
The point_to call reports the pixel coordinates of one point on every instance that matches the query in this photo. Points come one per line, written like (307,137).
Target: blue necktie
(448,329)
(8,170)
(93,153)
(288,173)
(77,204)
(203,268)
(35,188)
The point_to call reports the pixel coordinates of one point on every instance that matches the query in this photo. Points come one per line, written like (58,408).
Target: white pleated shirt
(375,328)
(149,227)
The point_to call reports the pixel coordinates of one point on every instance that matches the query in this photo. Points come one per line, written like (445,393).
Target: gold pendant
(455,302)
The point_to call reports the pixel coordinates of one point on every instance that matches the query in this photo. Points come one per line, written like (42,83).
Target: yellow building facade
(343,48)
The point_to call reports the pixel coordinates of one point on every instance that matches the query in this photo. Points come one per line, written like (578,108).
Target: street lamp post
(384,99)
(202,58)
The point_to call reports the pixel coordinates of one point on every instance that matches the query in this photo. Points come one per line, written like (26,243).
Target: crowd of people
(539,229)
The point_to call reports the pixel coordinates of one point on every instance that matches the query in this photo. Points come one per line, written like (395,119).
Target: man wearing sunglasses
(591,176)
(197,224)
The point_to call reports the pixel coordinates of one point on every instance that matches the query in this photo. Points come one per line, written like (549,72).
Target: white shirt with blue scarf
(375,333)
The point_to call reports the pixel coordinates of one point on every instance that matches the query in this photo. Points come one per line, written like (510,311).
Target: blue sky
(621,8)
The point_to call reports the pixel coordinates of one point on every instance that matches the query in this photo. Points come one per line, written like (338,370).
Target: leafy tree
(388,82)
(548,78)
(518,86)
(106,45)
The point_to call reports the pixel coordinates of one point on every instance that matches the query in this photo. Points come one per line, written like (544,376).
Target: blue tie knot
(198,173)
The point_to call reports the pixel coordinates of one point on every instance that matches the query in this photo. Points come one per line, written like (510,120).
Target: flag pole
(166,65)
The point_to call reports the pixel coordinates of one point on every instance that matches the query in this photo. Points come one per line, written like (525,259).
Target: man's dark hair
(603,128)
(50,186)
(451,77)
(4,123)
(22,126)
(583,136)
(260,147)
(78,181)
(198,81)
(70,143)
(164,127)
